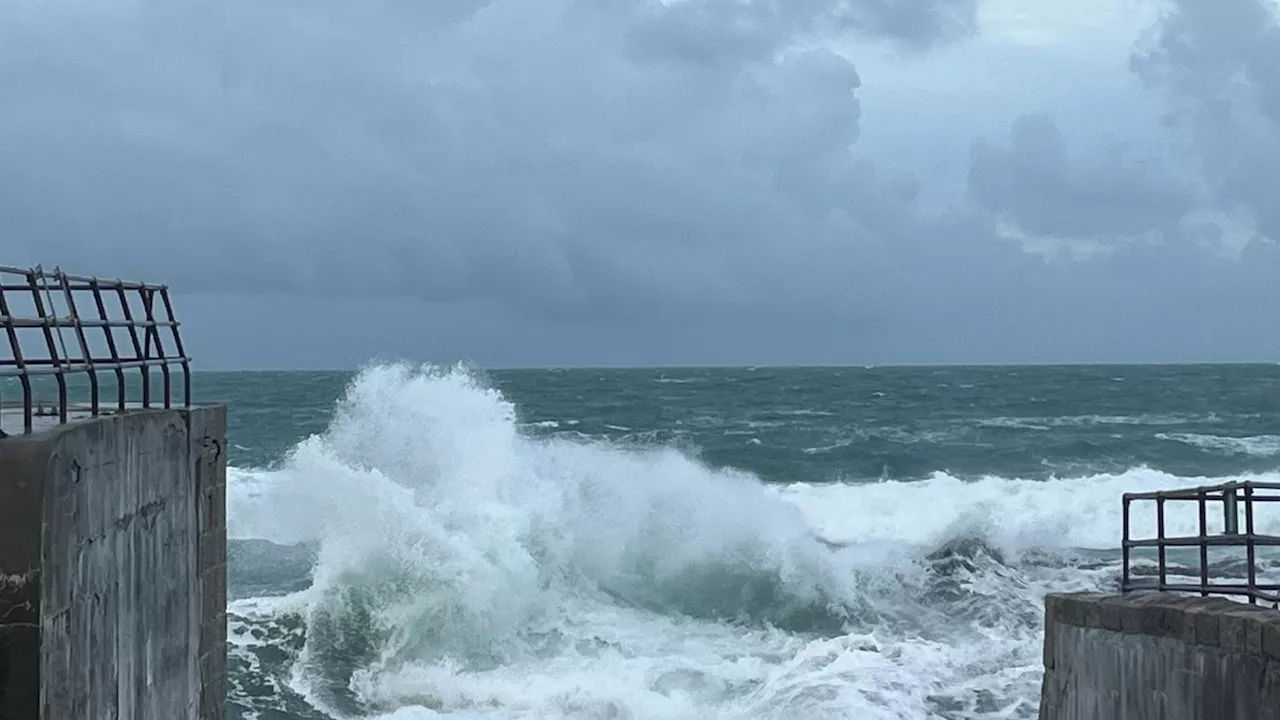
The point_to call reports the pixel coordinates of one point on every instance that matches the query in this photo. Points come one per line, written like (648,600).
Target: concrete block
(1111,616)
(1270,691)
(1159,656)
(101,518)
(1206,623)
(1271,640)
(1232,631)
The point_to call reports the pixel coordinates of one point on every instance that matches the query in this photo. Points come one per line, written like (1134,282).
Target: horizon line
(750,366)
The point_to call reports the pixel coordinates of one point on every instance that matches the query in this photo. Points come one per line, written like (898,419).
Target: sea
(417,542)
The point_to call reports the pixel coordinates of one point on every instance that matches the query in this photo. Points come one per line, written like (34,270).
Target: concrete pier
(113,567)
(1159,656)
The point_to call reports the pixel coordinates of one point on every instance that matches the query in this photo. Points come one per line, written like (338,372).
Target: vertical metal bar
(96,287)
(1162,561)
(18,362)
(64,414)
(1249,544)
(1230,511)
(84,343)
(148,304)
(1202,499)
(46,323)
(178,348)
(1124,544)
(144,371)
(53,311)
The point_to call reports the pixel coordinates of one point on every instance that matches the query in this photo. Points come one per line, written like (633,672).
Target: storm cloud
(1218,64)
(567,157)
(637,181)
(1085,203)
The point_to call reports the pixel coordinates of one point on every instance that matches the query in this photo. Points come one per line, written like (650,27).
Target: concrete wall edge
(1216,622)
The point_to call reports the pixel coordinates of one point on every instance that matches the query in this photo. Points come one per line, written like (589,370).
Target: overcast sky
(586,182)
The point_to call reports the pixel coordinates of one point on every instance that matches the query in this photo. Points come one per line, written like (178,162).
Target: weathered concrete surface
(207,436)
(1157,656)
(113,568)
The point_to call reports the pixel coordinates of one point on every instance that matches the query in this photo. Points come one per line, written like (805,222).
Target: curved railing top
(60,326)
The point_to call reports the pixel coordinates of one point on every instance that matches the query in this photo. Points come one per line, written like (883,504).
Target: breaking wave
(464,565)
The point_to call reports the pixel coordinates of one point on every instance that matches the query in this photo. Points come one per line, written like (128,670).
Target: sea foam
(464,566)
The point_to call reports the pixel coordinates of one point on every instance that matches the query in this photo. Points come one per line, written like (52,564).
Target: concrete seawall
(113,567)
(1156,656)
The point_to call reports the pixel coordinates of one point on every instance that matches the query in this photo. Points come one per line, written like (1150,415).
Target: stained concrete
(1158,656)
(113,567)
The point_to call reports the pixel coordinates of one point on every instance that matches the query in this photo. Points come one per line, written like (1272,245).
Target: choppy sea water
(695,543)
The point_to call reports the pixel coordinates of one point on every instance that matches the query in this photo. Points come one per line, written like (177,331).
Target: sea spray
(448,538)
(471,562)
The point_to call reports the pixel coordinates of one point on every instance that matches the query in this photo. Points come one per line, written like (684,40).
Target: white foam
(1080,512)
(1252,445)
(1047,423)
(517,577)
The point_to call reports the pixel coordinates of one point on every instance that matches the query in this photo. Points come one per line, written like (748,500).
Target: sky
(640,182)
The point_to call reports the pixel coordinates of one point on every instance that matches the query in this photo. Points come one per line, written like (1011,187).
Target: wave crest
(1259,446)
(445,534)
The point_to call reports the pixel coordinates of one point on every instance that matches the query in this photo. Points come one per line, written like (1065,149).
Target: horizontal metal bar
(1195,492)
(70,322)
(83,286)
(1237,540)
(99,363)
(1224,587)
(81,367)
(1213,497)
(85,280)
(1258,592)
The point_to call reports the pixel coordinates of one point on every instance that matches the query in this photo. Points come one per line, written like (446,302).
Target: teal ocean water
(693,543)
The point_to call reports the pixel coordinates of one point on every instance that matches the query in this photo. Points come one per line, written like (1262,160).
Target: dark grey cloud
(1213,183)
(573,158)
(593,181)
(1219,65)
(1034,182)
(1128,258)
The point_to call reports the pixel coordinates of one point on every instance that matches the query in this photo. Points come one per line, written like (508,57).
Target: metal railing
(1231,500)
(44,308)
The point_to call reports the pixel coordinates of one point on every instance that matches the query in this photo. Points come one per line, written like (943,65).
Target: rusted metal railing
(1232,500)
(47,304)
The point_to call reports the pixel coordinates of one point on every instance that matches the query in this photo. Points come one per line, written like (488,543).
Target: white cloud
(1049,23)
(1057,248)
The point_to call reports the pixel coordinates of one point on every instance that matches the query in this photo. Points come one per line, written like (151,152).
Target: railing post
(86,357)
(138,352)
(19,363)
(1230,511)
(1202,501)
(95,286)
(48,321)
(1124,545)
(1249,539)
(1162,562)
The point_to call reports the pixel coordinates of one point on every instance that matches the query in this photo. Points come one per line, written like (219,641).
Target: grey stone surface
(1158,656)
(208,452)
(111,569)
(20,502)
